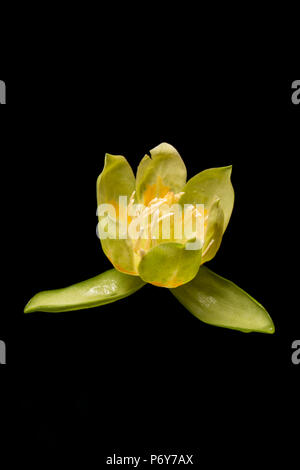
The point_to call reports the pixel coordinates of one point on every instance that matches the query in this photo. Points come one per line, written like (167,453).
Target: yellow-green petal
(209,185)
(117,179)
(164,171)
(213,232)
(99,290)
(170,264)
(219,302)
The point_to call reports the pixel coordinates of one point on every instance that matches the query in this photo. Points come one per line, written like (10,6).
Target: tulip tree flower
(157,228)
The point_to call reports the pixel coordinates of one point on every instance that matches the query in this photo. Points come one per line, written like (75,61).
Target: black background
(143,374)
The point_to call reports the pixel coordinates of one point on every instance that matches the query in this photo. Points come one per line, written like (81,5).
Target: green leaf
(169,264)
(208,186)
(100,290)
(164,171)
(219,302)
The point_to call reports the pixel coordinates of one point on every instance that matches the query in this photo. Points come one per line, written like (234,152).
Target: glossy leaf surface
(219,302)
(99,290)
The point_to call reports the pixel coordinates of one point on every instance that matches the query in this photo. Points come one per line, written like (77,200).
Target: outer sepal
(99,290)
(219,302)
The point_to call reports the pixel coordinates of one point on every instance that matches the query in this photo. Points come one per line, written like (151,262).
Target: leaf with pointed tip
(99,290)
(219,302)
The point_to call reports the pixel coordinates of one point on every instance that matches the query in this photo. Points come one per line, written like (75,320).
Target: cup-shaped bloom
(156,225)
(157,228)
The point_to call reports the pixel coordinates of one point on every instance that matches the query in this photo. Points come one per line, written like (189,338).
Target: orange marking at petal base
(119,268)
(169,285)
(157,189)
(115,204)
(124,270)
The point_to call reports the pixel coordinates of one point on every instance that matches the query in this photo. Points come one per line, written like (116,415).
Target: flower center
(163,219)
